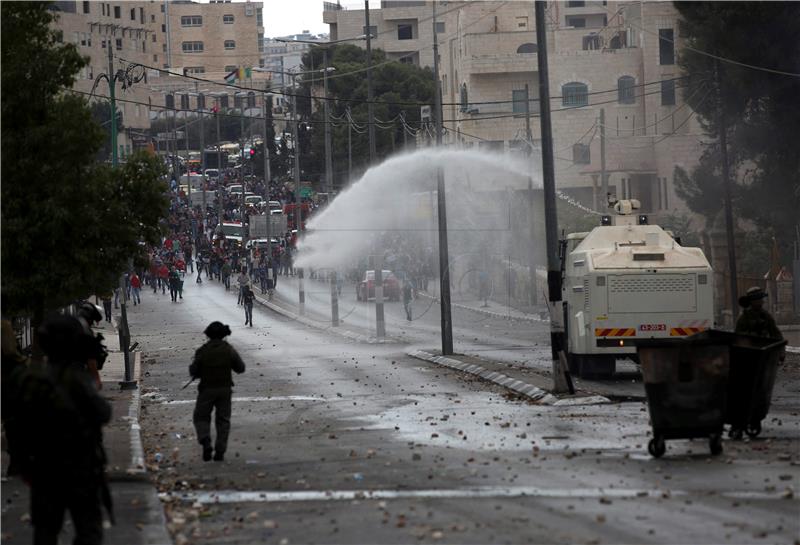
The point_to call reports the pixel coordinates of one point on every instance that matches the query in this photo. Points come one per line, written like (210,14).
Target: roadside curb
(534,393)
(490,313)
(352,335)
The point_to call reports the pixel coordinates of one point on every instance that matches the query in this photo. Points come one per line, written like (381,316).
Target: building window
(201,101)
(439,28)
(184,101)
(117,12)
(259,17)
(464,98)
(191,20)
(192,47)
(230,44)
(581,154)
(373,30)
(163,48)
(155,58)
(668,93)
(666,46)
(194,70)
(230,68)
(227,19)
(619,41)
(169,101)
(103,9)
(591,42)
(237,101)
(574,94)
(223,102)
(141,15)
(405,32)
(133,14)
(119,44)
(153,36)
(406,59)
(527,48)
(260,43)
(251,99)
(576,4)
(518,97)
(626,90)
(576,22)
(152,17)
(163,28)
(86,8)
(522,23)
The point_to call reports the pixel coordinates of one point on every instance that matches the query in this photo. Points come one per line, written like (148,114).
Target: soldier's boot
(207,450)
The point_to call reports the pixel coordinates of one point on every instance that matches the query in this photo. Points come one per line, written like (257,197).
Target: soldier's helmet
(62,338)
(754,293)
(90,313)
(217,330)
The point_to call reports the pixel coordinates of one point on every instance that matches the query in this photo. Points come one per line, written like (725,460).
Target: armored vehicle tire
(715,444)
(657,447)
(753,429)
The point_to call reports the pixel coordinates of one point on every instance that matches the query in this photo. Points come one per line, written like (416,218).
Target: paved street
(339,442)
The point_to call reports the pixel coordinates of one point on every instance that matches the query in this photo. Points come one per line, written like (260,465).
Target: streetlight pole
(298,209)
(329,178)
(444,258)
(561,380)
(267,175)
(111,86)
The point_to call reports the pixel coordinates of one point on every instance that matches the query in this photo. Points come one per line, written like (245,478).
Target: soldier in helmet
(755,320)
(213,364)
(96,353)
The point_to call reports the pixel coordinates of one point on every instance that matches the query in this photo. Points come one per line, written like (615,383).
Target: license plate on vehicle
(652,327)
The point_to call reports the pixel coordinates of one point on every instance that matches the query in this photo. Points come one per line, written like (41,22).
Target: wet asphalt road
(337,442)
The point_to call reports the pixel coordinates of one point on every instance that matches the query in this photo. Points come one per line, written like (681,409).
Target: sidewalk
(494,309)
(139,512)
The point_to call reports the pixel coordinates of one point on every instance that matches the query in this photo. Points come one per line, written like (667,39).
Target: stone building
(615,61)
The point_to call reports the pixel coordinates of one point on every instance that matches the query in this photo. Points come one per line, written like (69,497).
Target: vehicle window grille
(586,294)
(679,284)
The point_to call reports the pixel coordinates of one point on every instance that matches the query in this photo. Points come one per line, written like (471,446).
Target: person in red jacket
(163,277)
(136,288)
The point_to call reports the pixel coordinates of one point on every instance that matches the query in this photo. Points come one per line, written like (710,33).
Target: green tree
(69,225)
(393,83)
(760,106)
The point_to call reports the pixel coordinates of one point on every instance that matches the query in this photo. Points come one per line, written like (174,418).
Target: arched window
(464,98)
(251,99)
(170,101)
(527,48)
(626,87)
(574,94)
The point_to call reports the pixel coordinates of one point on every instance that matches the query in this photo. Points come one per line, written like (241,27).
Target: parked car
(212,173)
(253,199)
(234,188)
(366,288)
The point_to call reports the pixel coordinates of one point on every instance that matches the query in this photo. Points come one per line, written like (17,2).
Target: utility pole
(329,178)
(111,86)
(298,209)
(370,96)
(726,181)
(603,174)
(242,104)
(219,165)
(560,374)
(531,227)
(267,175)
(380,322)
(202,160)
(349,145)
(186,139)
(444,258)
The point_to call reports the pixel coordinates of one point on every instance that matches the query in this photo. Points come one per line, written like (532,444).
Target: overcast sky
(284,17)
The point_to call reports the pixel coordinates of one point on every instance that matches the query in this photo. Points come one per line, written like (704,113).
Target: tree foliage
(101,114)
(760,106)
(69,224)
(392,82)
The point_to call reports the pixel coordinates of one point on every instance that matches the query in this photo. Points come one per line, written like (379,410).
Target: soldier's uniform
(213,364)
(758,322)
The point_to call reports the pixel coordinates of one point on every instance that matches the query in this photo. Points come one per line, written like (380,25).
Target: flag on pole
(231,78)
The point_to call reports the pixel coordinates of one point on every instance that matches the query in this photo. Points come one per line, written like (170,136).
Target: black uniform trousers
(52,497)
(219,400)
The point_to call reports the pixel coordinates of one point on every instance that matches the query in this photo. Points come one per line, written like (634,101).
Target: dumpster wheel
(715,444)
(753,429)
(657,447)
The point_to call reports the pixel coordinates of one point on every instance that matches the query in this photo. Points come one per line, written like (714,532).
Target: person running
(408,293)
(247,299)
(213,364)
(226,275)
(174,284)
(136,289)
(243,281)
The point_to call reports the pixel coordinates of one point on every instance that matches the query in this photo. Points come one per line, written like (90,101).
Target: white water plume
(399,196)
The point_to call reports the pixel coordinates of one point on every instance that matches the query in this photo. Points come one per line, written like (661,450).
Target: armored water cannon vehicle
(627,280)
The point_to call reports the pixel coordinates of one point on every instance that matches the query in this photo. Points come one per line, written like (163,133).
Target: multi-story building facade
(618,111)
(127,30)
(403,29)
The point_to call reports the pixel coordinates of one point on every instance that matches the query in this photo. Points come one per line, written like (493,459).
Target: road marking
(249,399)
(266,496)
